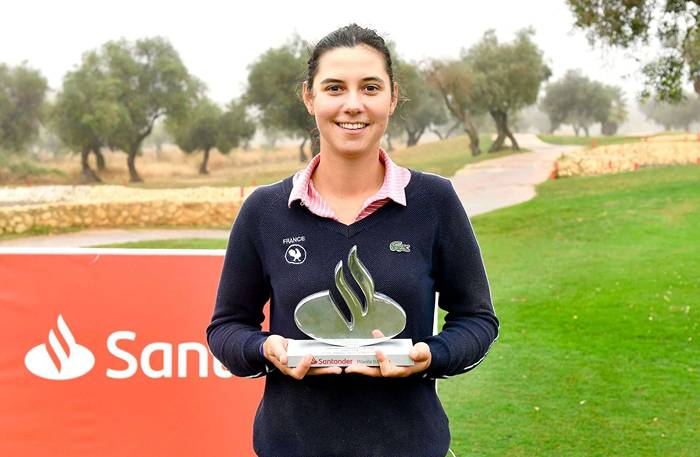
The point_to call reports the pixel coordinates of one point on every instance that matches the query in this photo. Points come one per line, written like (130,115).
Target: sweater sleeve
(471,325)
(234,334)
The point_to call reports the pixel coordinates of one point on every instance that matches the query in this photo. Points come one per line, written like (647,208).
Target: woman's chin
(354,147)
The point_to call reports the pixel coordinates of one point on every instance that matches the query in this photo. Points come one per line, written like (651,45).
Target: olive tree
(420,104)
(86,112)
(151,82)
(274,89)
(673,24)
(673,116)
(207,126)
(460,89)
(22,92)
(510,76)
(581,102)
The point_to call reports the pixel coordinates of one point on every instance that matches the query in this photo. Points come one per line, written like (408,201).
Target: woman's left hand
(420,355)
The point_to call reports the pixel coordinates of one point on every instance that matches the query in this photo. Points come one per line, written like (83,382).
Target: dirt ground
(168,167)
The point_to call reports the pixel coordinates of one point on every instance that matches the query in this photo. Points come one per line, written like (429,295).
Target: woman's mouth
(352,126)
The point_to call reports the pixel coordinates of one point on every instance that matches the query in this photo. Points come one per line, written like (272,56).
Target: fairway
(596,283)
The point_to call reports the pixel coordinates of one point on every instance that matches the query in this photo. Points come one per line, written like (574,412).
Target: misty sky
(218,40)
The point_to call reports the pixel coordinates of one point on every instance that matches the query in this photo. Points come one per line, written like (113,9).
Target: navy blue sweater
(352,414)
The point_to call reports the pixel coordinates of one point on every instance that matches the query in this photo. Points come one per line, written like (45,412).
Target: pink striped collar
(395,180)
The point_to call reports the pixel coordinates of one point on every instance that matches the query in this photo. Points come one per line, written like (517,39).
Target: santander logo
(62,358)
(59,361)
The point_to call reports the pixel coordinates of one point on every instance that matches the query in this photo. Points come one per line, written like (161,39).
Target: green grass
(188,243)
(596,285)
(587,140)
(447,156)
(21,168)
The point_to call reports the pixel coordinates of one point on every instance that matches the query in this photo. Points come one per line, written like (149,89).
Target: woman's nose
(353,103)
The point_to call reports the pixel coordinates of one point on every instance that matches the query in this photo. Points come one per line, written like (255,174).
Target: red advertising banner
(104,354)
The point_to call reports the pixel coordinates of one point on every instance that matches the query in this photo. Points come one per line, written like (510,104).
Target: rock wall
(118,206)
(653,151)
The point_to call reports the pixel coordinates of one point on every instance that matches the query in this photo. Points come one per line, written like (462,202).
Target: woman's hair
(349,37)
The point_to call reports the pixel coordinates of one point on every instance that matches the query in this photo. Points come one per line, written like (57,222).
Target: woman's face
(351,99)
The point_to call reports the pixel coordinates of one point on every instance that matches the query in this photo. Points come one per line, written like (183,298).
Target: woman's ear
(308,98)
(394,99)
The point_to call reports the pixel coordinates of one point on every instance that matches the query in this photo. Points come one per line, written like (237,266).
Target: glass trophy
(339,341)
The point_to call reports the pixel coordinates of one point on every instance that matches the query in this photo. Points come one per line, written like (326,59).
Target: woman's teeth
(354,126)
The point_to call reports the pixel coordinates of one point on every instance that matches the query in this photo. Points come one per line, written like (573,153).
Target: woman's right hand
(275,350)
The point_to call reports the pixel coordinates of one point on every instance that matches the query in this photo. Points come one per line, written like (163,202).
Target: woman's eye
(333,88)
(372,88)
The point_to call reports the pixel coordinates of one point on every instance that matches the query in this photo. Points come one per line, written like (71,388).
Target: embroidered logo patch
(398,246)
(296,254)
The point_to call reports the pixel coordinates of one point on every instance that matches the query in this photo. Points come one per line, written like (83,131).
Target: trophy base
(327,355)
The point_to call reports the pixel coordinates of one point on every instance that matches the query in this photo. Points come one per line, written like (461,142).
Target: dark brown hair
(349,37)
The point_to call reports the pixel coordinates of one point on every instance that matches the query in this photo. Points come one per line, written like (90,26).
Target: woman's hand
(420,355)
(275,350)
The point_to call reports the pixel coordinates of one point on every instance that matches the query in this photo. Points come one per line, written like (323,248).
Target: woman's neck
(349,177)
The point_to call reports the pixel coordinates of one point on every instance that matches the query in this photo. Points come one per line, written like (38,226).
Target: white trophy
(337,341)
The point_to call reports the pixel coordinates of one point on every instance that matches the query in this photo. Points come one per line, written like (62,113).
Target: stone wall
(653,151)
(118,206)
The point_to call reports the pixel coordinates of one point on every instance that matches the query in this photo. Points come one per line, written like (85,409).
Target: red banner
(104,354)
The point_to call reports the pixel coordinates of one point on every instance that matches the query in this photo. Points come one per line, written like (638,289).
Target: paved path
(483,187)
(498,183)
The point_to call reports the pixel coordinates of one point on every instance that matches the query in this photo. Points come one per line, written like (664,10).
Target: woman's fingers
(324,370)
(275,349)
(300,371)
(387,367)
(376,333)
(304,369)
(420,352)
(363,369)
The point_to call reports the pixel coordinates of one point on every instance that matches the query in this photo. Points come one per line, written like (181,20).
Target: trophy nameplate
(339,341)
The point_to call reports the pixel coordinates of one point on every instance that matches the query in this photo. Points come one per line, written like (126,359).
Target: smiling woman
(414,239)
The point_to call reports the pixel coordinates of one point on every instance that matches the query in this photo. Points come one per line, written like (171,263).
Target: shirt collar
(395,180)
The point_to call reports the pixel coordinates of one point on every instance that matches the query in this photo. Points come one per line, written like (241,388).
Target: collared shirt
(395,180)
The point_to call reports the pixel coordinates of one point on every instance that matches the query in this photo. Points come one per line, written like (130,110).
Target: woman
(411,233)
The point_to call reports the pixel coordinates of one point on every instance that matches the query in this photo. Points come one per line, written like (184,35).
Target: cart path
(482,187)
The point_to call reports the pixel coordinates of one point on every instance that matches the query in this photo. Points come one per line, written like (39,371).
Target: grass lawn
(447,156)
(188,243)
(587,140)
(596,285)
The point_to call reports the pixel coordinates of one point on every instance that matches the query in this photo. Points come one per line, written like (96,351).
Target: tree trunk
(203,168)
(315,142)
(497,145)
(585,129)
(302,156)
(513,142)
(473,136)
(575,129)
(131,162)
(414,136)
(452,129)
(439,135)
(389,145)
(101,165)
(411,139)
(88,175)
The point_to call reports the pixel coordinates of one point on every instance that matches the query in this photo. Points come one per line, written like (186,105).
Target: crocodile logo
(398,246)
